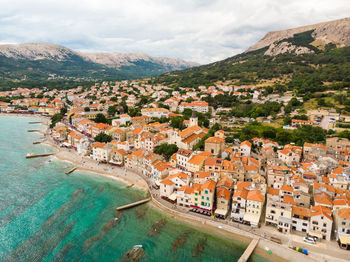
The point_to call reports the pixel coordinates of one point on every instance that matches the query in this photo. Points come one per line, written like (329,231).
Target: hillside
(42,61)
(300,65)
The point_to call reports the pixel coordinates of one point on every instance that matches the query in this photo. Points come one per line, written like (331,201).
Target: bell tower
(193,119)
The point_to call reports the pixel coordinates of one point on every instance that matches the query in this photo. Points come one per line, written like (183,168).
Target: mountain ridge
(336,32)
(19,60)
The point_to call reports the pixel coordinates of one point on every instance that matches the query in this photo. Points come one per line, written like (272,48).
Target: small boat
(116,219)
(138,246)
(30,155)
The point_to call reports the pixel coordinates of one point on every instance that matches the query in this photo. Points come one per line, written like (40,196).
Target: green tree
(166,150)
(177,122)
(87,109)
(287,120)
(112,110)
(100,118)
(103,138)
(63,111)
(55,119)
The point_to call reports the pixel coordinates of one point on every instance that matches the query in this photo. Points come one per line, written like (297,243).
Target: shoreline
(227,232)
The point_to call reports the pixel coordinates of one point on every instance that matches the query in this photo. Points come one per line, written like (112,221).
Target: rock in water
(134,254)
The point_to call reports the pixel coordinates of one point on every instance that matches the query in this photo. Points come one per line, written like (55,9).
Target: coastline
(129,178)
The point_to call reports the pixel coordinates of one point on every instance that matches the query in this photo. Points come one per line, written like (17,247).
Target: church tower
(193,119)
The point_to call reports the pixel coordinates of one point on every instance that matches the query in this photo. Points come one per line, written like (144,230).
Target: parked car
(309,240)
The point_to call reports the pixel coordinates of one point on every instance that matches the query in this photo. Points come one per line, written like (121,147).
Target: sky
(201,31)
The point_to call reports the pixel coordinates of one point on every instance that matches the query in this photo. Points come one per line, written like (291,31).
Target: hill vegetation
(301,73)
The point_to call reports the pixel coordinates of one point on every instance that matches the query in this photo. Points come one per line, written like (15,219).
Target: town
(268,162)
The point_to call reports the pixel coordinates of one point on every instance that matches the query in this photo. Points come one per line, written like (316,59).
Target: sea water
(46,215)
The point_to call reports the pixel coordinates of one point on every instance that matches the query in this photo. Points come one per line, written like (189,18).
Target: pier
(34,130)
(71,170)
(38,155)
(36,122)
(245,256)
(133,204)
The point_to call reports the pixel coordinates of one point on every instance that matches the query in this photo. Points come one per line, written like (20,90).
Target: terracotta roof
(247,143)
(321,210)
(323,198)
(209,184)
(201,174)
(301,211)
(188,131)
(215,140)
(273,191)
(223,193)
(186,189)
(98,145)
(287,188)
(242,184)
(242,193)
(255,195)
(167,182)
(288,200)
(344,213)
(196,160)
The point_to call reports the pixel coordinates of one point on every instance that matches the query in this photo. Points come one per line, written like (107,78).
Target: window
(196,199)
(202,197)
(206,191)
(207,198)
(195,194)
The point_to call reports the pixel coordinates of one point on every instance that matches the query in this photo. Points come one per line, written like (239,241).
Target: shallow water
(48,216)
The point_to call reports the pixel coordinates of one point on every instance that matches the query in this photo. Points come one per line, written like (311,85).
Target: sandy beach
(105,170)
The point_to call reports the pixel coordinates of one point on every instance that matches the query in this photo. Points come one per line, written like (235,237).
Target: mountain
(278,42)
(43,60)
(304,59)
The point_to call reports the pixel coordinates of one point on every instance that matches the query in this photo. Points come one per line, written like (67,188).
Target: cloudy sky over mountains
(196,30)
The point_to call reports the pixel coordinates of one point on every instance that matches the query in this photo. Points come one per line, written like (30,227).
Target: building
(245,148)
(301,219)
(288,156)
(215,145)
(182,158)
(202,198)
(155,112)
(184,196)
(101,152)
(321,222)
(254,206)
(279,215)
(198,106)
(342,226)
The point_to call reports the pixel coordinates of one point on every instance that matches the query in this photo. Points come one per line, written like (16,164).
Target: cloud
(197,30)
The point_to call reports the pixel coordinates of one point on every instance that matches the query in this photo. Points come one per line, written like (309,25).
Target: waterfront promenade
(323,251)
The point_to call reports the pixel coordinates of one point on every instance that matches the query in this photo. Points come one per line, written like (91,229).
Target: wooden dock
(245,256)
(133,204)
(71,170)
(34,130)
(39,155)
(36,122)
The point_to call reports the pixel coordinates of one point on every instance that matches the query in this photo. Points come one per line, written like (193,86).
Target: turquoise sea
(48,216)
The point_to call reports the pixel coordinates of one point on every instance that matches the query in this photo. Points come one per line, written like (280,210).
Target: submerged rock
(77,192)
(134,254)
(157,227)
(141,212)
(199,248)
(180,240)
